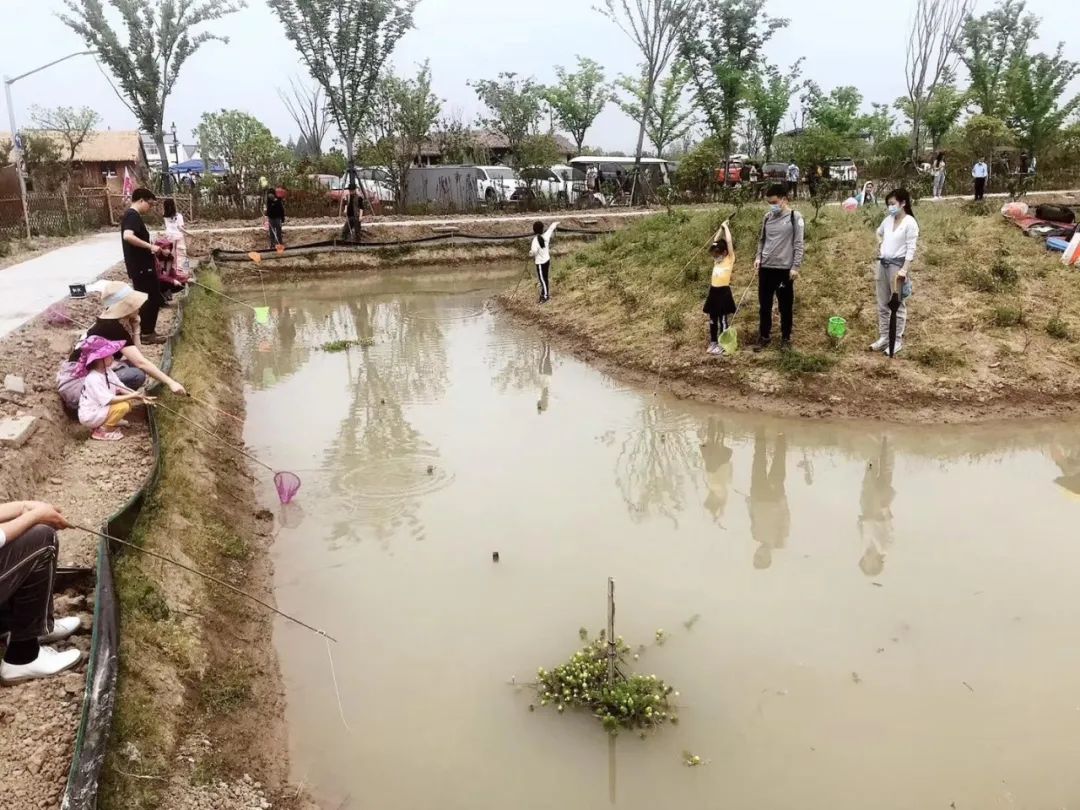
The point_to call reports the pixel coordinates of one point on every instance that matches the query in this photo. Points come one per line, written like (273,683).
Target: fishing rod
(209,577)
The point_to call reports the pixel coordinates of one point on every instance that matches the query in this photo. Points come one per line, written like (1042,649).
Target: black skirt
(719,302)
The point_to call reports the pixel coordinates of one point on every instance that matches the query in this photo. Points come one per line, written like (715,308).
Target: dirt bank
(199,713)
(992,327)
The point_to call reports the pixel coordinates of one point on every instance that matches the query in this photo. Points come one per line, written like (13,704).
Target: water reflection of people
(717,457)
(770,517)
(1068,462)
(875,515)
(545,378)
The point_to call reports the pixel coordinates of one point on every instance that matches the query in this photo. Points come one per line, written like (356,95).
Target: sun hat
(94,348)
(121,301)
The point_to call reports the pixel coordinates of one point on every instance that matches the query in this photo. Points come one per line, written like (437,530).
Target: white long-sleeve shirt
(542,255)
(899,242)
(980,169)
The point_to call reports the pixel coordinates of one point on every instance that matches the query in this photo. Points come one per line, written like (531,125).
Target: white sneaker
(62,628)
(896,349)
(49,662)
(879,344)
(712,348)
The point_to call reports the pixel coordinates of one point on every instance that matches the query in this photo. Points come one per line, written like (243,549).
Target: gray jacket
(781,244)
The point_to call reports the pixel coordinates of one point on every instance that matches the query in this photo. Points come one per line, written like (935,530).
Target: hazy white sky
(843,41)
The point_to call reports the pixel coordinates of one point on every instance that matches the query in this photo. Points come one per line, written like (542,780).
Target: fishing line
(337,692)
(213,579)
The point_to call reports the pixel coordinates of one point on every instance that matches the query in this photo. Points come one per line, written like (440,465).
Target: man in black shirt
(139,258)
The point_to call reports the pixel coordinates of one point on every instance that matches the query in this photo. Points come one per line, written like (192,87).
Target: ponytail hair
(538,229)
(902,197)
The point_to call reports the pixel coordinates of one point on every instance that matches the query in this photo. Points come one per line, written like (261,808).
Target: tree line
(702,68)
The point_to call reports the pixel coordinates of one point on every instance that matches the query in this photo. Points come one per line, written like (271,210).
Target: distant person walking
(139,260)
(980,172)
(939,176)
(898,238)
(275,217)
(793,180)
(779,259)
(541,253)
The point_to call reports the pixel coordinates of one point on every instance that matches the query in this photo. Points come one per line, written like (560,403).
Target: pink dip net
(287,485)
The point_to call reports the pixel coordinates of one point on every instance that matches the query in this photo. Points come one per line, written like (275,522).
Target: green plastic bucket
(837,327)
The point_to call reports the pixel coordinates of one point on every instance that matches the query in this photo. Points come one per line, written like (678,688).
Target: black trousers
(980,188)
(351,231)
(717,324)
(542,273)
(276,236)
(146,281)
(27,567)
(775,282)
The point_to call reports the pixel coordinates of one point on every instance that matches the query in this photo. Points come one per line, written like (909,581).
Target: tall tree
(453,139)
(513,107)
(723,46)
(770,97)
(932,51)
(244,143)
(160,38)
(943,111)
(345,45)
(668,118)
(419,109)
(655,27)
(307,108)
(990,42)
(578,98)
(72,125)
(836,112)
(1037,105)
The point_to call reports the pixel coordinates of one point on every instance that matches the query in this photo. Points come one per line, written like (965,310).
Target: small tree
(513,106)
(44,164)
(147,62)
(942,111)
(655,27)
(668,119)
(932,52)
(72,125)
(453,139)
(1036,88)
(307,108)
(770,97)
(345,45)
(419,109)
(578,98)
(982,135)
(989,45)
(723,46)
(244,143)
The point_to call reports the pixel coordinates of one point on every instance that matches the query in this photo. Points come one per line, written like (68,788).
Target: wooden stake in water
(612,649)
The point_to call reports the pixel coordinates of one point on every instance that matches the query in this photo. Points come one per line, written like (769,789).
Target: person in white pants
(898,238)
(541,253)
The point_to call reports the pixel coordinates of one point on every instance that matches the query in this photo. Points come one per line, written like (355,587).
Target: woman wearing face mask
(118,322)
(898,238)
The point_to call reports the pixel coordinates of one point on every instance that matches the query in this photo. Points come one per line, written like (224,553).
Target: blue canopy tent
(197,167)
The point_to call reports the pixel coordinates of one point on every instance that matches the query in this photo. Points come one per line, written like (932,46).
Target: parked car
(375,182)
(496,184)
(843,171)
(738,172)
(774,172)
(557,183)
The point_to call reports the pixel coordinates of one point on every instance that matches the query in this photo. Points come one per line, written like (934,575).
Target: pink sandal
(103,435)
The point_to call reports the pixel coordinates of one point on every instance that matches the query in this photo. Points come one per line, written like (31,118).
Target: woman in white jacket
(541,253)
(898,238)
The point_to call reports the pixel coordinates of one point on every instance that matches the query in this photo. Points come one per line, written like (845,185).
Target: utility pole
(16,141)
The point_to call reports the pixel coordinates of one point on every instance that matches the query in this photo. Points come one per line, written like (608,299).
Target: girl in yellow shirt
(720,303)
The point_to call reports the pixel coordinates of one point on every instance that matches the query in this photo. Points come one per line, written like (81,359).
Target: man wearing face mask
(779,259)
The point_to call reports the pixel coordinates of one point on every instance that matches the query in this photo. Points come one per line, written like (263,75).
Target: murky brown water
(858,616)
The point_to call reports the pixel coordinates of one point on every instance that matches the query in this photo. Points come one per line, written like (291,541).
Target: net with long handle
(287,485)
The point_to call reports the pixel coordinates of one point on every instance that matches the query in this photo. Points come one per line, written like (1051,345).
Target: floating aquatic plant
(633,701)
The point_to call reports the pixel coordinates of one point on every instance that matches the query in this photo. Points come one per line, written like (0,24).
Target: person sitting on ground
(176,233)
(779,259)
(275,217)
(898,238)
(170,278)
(28,552)
(720,303)
(541,253)
(104,401)
(119,322)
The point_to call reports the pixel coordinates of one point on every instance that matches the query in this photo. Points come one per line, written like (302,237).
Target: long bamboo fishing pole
(209,577)
(223,295)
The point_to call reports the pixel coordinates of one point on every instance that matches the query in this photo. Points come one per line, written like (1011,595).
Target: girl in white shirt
(541,253)
(176,233)
(898,238)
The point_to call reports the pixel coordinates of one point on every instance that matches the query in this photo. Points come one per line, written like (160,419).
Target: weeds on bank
(937,358)
(793,362)
(1058,329)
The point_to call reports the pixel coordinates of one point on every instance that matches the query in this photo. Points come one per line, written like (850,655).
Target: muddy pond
(856,615)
